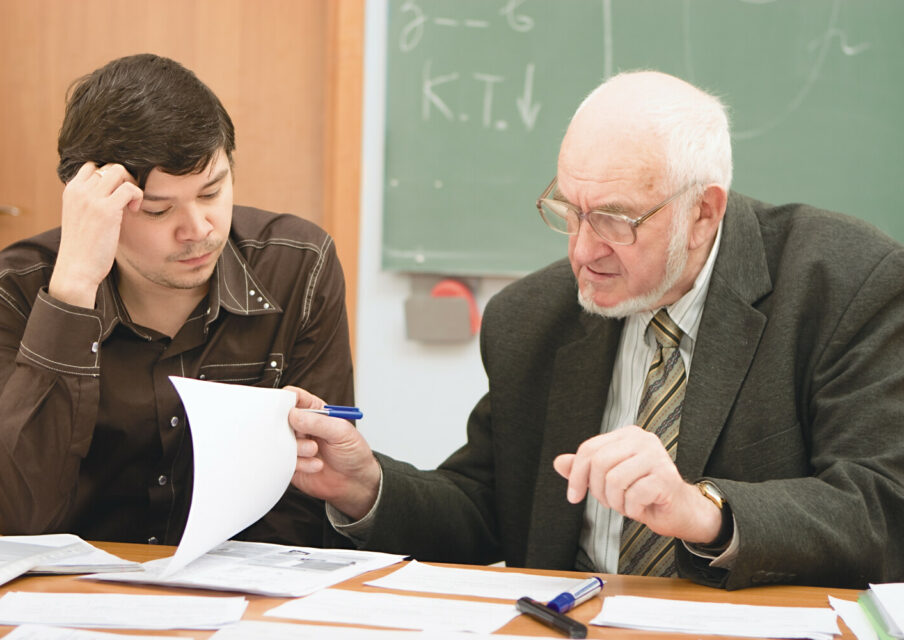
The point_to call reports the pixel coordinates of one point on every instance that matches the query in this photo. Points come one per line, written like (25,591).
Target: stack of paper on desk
(18,557)
(656,614)
(261,568)
(78,557)
(883,605)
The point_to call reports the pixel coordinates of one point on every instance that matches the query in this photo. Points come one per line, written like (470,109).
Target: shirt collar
(687,311)
(234,287)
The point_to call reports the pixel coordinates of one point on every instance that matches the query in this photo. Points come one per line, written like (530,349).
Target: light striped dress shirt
(601,532)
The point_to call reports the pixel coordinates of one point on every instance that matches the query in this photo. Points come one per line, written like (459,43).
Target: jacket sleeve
(841,523)
(49,374)
(448,514)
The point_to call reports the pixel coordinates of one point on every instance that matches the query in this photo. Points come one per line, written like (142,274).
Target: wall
(416,397)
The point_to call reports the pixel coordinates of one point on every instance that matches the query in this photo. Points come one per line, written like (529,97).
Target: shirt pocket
(265,373)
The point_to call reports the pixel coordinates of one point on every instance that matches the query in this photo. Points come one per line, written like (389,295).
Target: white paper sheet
(261,568)
(656,614)
(84,557)
(891,595)
(247,629)
(121,611)
(43,632)
(400,612)
(17,557)
(244,458)
(854,618)
(474,582)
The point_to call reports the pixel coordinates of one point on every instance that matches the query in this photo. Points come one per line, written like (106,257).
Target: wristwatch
(711,492)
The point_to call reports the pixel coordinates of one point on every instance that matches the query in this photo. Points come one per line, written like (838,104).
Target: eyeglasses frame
(632,222)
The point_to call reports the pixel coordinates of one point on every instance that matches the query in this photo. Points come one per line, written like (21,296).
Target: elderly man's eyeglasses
(612,227)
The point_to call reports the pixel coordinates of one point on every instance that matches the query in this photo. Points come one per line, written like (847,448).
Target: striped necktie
(644,552)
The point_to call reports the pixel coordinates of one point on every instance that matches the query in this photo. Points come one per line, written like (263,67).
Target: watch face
(711,492)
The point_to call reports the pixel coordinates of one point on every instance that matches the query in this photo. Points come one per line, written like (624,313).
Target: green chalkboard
(479,93)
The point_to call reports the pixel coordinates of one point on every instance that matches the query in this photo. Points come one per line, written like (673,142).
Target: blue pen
(336,411)
(581,592)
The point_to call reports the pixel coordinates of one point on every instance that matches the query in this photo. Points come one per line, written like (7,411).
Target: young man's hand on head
(93,205)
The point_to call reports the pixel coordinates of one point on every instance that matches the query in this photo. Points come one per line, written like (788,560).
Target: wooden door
(288,72)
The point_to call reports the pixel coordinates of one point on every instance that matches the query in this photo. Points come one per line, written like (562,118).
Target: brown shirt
(93,436)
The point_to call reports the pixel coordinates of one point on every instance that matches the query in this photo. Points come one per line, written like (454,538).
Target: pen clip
(348,413)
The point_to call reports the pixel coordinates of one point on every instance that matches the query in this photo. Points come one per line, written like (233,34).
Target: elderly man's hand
(334,463)
(630,471)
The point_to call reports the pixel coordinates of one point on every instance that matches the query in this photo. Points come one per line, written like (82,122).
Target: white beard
(674,267)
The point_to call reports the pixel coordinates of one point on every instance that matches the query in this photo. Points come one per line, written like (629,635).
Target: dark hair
(143,112)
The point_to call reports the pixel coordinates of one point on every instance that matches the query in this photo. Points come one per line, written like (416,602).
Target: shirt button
(161,480)
(202,377)
(174,422)
(153,540)
(266,305)
(273,363)
(251,292)
(260,299)
(94,347)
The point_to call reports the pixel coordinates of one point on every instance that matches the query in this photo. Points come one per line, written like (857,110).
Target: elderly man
(718,380)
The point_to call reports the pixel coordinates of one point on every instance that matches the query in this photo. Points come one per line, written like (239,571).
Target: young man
(154,272)
(717,380)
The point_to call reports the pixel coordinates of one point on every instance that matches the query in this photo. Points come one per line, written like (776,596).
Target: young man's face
(174,239)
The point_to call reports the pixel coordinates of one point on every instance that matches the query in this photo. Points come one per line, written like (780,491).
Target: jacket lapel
(582,372)
(730,332)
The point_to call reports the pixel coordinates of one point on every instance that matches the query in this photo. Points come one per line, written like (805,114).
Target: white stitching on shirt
(8,297)
(69,368)
(312,282)
(10,300)
(247,307)
(27,270)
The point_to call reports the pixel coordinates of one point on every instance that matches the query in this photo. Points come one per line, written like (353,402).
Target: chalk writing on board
(434,83)
(820,46)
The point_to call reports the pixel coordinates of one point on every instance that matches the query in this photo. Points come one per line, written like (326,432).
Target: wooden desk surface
(677,589)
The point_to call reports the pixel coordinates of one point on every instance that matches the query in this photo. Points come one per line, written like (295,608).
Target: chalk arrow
(526,108)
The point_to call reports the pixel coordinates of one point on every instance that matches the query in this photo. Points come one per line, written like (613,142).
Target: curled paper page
(244,458)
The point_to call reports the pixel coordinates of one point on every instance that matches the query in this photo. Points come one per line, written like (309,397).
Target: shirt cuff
(721,560)
(62,337)
(355,530)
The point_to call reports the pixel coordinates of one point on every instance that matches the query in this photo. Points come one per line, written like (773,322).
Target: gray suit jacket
(794,407)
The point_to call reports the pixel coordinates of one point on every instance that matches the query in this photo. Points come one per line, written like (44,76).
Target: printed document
(297,631)
(43,632)
(261,568)
(400,612)
(81,556)
(118,610)
(18,557)
(473,582)
(244,458)
(656,614)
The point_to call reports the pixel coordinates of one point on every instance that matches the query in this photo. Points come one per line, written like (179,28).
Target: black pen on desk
(336,411)
(551,618)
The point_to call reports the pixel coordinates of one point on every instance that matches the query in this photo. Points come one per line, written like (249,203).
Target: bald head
(659,120)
